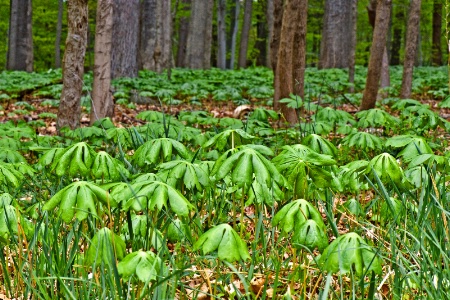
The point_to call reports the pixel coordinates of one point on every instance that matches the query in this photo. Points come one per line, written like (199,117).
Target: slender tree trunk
(299,50)
(183,32)
(245,34)
(270,20)
(437,30)
(352,59)
(261,34)
(73,64)
(397,35)
(376,53)
(221,34)
(155,43)
(124,50)
(336,34)
(198,51)
(58,34)
(412,34)
(20,41)
(276,32)
(102,102)
(234,34)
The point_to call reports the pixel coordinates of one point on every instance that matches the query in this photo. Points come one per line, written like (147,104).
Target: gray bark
(58,34)
(269,18)
(183,32)
(234,34)
(221,34)
(351,67)
(124,51)
(20,41)
(245,33)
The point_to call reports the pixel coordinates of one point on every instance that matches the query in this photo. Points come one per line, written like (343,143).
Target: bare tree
(376,53)
(437,30)
(276,32)
(412,34)
(352,59)
(73,64)
(124,49)
(58,34)
(155,43)
(270,20)
(235,27)
(102,102)
(20,41)
(245,33)
(336,34)
(221,34)
(183,31)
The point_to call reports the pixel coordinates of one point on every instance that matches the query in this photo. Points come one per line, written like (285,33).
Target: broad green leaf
(320,145)
(9,176)
(232,137)
(144,264)
(311,235)
(294,214)
(108,168)
(363,140)
(350,252)
(11,156)
(226,241)
(187,173)
(159,150)
(106,247)
(75,160)
(334,116)
(376,118)
(387,169)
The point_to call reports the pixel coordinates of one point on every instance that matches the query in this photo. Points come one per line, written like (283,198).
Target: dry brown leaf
(257,284)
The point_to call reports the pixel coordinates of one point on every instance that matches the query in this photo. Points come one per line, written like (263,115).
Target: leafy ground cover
(174,199)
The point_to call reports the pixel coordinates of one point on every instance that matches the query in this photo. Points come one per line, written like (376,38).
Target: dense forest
(224,149)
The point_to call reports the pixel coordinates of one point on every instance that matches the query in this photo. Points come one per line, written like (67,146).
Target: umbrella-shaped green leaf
(79,199)
(154,194)
(9,176)
(108,168)
(363,140)
(412,146)
(294,214)
(350,252)
(334,116)
(311,235)
(10,156)
(232,137)
(159,150)
(226,241)
(106,247)
(376,118)
(320,145)
(75,160)
(146,266)
(387,169)
(8,223)
(190,174)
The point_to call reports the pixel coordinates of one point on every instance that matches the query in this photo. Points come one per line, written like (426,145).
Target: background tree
(234,33)
(245,33)
(336,34)
(20,41)
(124,49)
(412,35)
(221,34)
(58,34)
(102,102)
(73,64)
(352,59)
(198,50)
(183,30)
(436,51)
(376,53)
(155,43)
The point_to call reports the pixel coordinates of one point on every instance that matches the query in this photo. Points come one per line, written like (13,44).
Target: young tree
(291,56)
(336,34)
(221,34)
(73,64)
(155,43)
(412,34)
(436,50)
(124,62)
(245,33)
(376,53)
(183,31)
(102,102)
(198,50)
(20,41)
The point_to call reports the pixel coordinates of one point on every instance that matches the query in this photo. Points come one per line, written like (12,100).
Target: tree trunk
(221,34)
(124,50)
(412,34)
(292,21)
(397,35)
(73,64)
(336,34)
(437,29)
(261,34)
(20,42)
(299,50)
(155,43)
(102,102)
(276,32)
(235,23)
(198,51)
(245,33)
(352,59)
(183,31)
(270,20)
(58,34)
(376,53)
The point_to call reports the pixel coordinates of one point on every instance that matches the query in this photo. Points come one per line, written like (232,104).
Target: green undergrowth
(341,206)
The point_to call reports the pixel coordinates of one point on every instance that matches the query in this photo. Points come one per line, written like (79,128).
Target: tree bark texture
(234,33)
(397,35)
(20,41)
(352,59)
(58,34)
(124,50)
(412,35)
(376,53)
(221,34)
(276,32)
(288,52)
(73,64)
(437,30)
(198,51)
(299,50)
(261,34)
(245,33)
(102,102)
(155,43)
(336,34)
(270,19)
(183,32)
